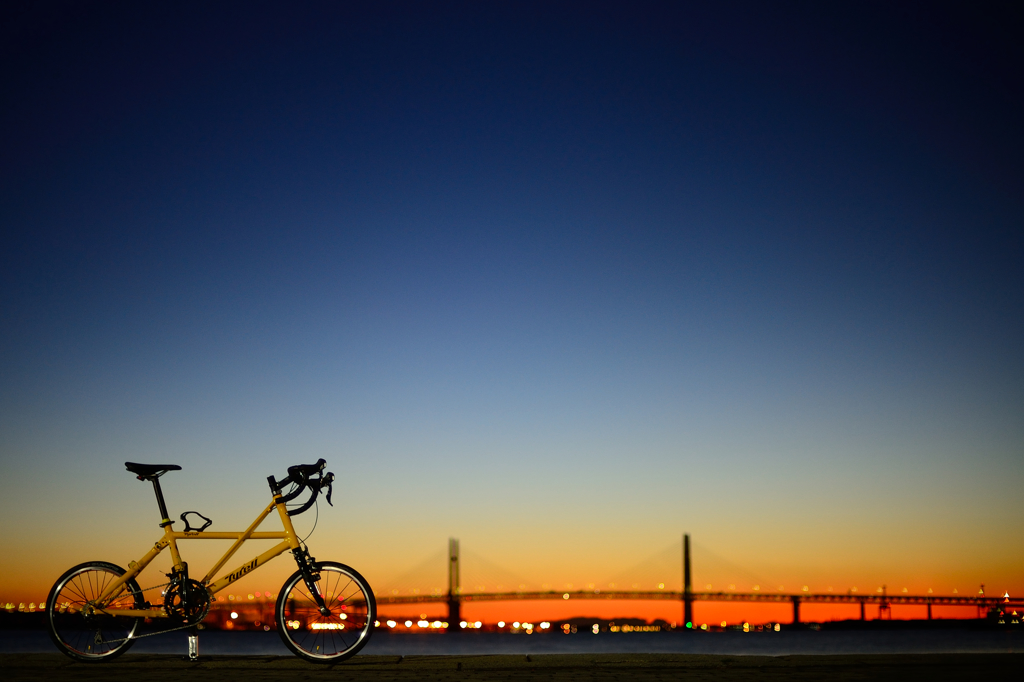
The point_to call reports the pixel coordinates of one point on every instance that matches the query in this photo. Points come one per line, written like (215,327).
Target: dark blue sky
(777,245)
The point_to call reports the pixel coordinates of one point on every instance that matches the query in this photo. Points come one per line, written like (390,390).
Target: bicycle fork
(311,576)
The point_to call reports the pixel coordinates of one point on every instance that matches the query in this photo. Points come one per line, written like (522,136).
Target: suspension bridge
(455,596)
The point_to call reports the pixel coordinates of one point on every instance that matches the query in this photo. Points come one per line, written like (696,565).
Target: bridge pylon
(687,586)
(454,591)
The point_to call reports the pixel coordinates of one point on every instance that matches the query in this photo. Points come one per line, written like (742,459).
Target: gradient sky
(561,280)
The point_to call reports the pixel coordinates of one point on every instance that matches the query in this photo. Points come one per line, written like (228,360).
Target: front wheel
(326,639)
(86,636)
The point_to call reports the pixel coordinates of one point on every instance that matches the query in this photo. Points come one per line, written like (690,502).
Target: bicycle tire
(326,639)
(91,638)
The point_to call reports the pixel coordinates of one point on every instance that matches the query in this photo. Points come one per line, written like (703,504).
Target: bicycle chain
(150,634)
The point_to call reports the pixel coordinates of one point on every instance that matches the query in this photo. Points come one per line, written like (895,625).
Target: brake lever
(329,478)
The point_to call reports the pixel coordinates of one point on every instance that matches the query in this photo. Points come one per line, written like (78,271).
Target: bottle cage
(189,528)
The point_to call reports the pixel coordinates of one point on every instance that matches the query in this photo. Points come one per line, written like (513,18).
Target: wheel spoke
(78,592)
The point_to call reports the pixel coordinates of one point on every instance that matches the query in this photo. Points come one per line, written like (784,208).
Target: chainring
(187,601)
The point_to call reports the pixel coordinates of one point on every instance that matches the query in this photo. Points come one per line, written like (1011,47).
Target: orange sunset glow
(547,286)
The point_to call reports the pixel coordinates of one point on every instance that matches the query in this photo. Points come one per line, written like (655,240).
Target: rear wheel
(88,636)
(326,639)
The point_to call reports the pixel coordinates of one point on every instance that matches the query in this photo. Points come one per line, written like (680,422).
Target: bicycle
(324,613)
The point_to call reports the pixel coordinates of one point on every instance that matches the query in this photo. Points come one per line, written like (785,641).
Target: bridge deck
(658,595)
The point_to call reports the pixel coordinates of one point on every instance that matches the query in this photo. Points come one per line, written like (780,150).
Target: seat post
(166,520)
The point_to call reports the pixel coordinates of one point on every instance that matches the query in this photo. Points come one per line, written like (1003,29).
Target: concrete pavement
(638,667)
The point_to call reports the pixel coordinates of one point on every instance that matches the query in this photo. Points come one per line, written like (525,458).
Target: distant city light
(327,626)
(234,614)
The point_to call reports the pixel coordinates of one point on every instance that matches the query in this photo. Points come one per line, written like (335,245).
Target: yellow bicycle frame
(170,539)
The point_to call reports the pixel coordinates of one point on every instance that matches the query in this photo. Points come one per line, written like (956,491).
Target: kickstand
(193,644)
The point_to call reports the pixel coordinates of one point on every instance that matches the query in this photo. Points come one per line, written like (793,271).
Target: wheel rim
(319,636)
(95,636)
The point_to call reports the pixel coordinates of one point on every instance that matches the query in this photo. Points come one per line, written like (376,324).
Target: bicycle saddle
(147,472)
